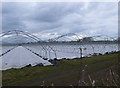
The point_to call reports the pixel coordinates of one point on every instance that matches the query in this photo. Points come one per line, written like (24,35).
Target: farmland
(68,72)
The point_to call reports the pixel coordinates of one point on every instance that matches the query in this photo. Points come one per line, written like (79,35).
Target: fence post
(81,51)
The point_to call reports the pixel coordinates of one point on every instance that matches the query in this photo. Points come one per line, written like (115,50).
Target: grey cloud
(50,17)
(52,12)
(17,13)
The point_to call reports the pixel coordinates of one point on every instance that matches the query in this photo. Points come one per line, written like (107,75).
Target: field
(98,70)
(21,56)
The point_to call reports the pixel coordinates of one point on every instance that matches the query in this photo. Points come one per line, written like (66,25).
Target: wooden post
(49,55)
(80,52)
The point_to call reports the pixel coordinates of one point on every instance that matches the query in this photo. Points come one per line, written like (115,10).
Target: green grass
(14,76)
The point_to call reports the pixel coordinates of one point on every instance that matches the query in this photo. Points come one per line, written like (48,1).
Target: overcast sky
(60,18)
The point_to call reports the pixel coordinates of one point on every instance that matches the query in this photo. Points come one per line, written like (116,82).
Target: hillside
(82,72)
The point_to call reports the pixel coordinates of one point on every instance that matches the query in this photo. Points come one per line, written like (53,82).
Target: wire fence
(67,45)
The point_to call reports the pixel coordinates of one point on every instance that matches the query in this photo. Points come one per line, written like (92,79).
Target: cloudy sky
(55,18)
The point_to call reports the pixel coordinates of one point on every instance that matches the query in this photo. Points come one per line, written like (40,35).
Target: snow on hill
(20,57)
